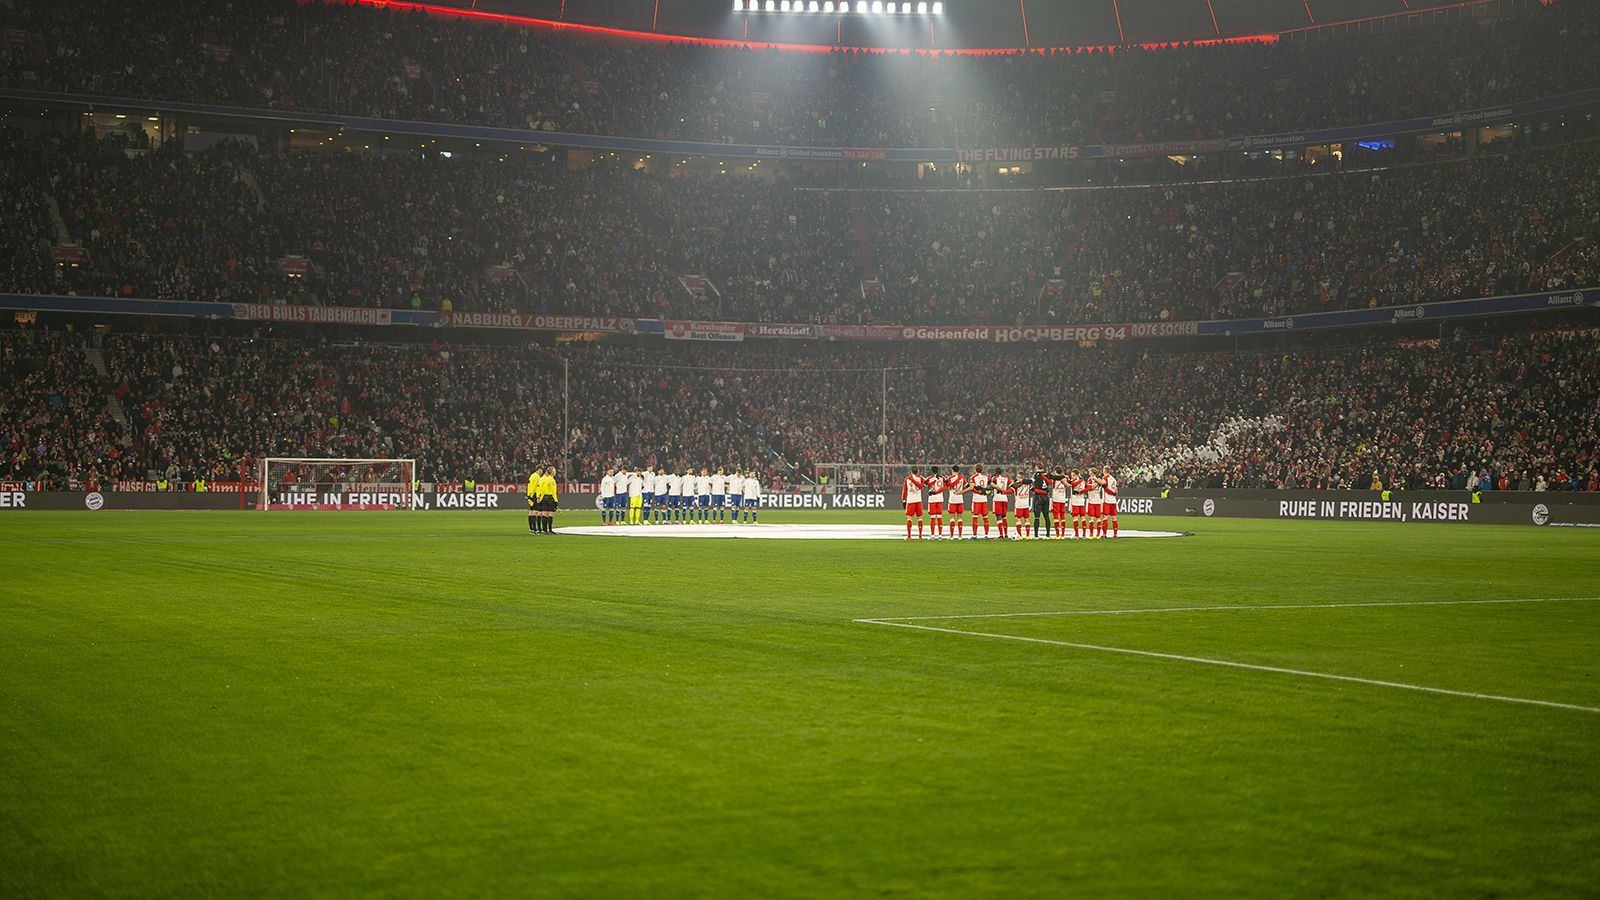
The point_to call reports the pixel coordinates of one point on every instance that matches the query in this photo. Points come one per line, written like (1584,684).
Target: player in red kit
(1058,504)
(1000,490)
(935,486)
(1022,492)
(980,500)
(1108,507)
(1080,493)
(911,495)
(956,484)
(1096,504)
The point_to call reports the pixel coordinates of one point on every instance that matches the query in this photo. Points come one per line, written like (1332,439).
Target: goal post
(336,483)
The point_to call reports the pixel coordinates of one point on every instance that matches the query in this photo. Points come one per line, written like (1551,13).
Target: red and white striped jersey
(1111,485)
(911,489)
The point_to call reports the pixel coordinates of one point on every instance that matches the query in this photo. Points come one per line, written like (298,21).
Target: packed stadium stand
(608,239)
(1507,411)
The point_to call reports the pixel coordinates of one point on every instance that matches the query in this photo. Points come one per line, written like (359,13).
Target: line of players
(647,497)
(1090,498)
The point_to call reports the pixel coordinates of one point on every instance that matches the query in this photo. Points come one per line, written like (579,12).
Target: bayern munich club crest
(1209,507)
(94,500)
(1541,514)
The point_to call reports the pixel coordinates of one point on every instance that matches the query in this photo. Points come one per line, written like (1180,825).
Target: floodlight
(938,9)
(877,7)
(784,6)
(827,6)
(812,6)
(772,6)
(892,8)
(738,5)
(922,8)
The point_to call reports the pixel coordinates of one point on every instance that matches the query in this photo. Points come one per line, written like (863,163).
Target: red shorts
(1078,509)
(1109,509)
(935,508)
(914,509)
(1094,510)
(955,509)
(1058,510)
(1000,507)
(1022,512)
(980,507)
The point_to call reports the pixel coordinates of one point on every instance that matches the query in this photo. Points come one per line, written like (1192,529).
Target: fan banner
(534,321)
(333,315)
(682,330)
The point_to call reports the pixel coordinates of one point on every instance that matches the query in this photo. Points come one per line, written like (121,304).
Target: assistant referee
(542,500)
(551,499)
(535,495)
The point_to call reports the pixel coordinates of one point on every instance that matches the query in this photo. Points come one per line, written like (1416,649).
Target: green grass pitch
(438,704)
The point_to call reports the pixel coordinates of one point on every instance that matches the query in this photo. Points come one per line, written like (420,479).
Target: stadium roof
(969,24)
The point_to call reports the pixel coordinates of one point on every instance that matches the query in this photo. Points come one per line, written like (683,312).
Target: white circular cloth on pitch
(783,532)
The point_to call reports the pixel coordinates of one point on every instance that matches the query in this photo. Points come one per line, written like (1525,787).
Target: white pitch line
(1240,665)
(1242,607)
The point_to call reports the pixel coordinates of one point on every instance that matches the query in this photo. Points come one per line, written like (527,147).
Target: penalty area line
(884,620)
(1233,664)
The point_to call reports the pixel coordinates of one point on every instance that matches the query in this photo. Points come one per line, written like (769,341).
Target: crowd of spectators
(56,429)
(532,234)
(210,408)
(27,237)
(1495,412)
(1493,225)
(370,61)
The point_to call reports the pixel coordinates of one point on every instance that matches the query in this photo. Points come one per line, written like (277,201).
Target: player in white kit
(674,495)
(752,497)
(702,490)
(608,498)
(719,495)
(649,495)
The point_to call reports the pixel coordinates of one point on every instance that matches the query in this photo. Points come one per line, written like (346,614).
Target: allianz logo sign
(1415,312)
(1573,299)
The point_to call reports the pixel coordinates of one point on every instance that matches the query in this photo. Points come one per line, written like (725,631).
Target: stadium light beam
(841,7)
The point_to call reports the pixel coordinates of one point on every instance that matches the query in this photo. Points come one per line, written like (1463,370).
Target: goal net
(337,483)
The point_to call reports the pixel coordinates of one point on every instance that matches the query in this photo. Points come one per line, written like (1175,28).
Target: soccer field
(435,704)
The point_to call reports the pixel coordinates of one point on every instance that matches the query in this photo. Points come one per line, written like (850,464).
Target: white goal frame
(375,495)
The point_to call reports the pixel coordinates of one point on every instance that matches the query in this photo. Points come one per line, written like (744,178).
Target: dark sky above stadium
(969,23)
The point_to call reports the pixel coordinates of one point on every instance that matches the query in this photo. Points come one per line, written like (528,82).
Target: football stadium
(654,448)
